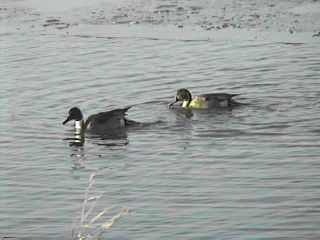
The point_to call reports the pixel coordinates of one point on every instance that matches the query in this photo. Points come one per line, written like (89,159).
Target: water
(249,172)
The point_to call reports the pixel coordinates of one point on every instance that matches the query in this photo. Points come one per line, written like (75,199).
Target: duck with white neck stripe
(204,101)
(99,123)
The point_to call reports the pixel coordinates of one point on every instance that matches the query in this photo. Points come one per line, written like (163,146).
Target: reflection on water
(116,138)
(77,155)
(188,113)
(77,140)
(77,144)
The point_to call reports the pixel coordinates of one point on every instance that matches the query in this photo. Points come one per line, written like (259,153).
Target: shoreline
(290,21)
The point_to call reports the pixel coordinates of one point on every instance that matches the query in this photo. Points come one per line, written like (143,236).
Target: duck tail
(129,122)
(233,102)
(126,109)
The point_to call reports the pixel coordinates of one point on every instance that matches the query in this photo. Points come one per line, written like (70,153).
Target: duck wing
(104,117)
(219,97)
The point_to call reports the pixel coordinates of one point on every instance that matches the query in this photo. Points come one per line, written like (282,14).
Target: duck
(204,101)
(99,123)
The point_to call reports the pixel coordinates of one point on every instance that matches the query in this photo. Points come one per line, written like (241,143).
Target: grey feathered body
(107,121)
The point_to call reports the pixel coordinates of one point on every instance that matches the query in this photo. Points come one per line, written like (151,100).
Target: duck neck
(187,102)
(79,126)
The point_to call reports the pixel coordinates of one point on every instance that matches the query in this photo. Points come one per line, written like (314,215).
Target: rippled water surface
(251,171)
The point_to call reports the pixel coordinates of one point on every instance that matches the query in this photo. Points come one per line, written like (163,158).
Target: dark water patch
(291,43)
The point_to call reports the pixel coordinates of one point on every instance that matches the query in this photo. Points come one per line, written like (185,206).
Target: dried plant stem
(91,182)
(97,228)
(100,214)
(115,218)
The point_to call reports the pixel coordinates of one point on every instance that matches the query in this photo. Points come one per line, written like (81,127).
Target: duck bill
(175,101)
(67,120)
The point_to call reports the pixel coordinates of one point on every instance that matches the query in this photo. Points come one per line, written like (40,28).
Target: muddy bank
(99,17)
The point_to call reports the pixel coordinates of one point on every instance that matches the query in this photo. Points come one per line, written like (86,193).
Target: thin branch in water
(79,232)
(91,182)
(90,210)
(115,218)
(100,214)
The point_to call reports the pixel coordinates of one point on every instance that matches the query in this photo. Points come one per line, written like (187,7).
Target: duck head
(182,95)
(74,114)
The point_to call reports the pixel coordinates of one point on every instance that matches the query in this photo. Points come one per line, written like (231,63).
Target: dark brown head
(182,95)
(74,114)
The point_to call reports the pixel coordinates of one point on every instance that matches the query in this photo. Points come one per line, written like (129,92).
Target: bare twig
(97,228)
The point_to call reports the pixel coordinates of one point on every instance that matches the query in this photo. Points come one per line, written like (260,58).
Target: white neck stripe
(78,124)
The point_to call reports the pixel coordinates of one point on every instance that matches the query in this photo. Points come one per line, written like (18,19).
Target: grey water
(243,173)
